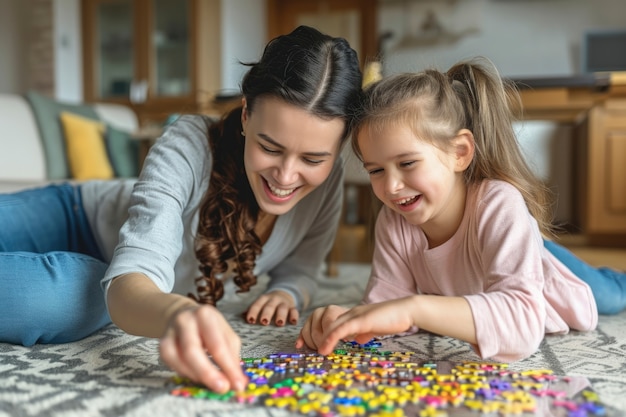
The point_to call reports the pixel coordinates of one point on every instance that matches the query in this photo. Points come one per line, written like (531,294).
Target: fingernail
(279,322)
(220,385)
(251,320)
(240,386)
(264,322)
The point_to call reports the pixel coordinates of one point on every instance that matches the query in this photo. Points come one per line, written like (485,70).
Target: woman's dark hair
(304,68)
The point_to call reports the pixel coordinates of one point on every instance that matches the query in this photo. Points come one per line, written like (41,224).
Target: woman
(257,192)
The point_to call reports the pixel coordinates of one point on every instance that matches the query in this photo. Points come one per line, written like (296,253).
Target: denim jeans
(50,268)
(608,285)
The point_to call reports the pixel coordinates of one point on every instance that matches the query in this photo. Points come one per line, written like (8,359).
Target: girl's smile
(408,203)
(416,179)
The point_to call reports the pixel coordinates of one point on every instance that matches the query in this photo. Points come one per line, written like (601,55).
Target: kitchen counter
(567,99)
(597,81)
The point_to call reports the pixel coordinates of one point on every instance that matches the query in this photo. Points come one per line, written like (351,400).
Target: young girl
(459,245)
(257,192)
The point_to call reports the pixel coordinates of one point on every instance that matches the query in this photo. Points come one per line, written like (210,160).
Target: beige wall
(12,45)
(26,46)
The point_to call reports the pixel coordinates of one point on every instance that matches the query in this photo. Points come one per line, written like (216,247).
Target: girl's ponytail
(436,106)
(487,100)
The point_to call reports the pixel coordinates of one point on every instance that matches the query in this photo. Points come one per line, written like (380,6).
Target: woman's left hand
(277,305)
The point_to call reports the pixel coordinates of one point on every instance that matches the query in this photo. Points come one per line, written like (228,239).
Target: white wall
(548,148)
(243,38)
(68,70)
(523,38)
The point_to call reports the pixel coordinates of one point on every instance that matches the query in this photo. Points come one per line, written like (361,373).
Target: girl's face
(418,180)
(288,152)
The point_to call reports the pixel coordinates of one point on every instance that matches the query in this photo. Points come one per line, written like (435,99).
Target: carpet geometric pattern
(111,373)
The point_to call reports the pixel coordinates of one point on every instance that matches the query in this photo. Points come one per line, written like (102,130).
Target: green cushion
(123,152)
(47,113)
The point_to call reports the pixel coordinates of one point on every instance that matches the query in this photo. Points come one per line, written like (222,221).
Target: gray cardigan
(157,217)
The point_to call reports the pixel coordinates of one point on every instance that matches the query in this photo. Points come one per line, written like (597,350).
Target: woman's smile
(279,194)
(288,152)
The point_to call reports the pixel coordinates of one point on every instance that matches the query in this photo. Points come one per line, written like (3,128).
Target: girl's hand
(312,333)
(278,305)
(194,332)
(364,322)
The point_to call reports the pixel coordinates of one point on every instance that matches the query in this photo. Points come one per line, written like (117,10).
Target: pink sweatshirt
(517,290)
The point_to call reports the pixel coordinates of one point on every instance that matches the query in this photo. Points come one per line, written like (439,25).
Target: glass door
(115,66)
(142,53)
(170,60)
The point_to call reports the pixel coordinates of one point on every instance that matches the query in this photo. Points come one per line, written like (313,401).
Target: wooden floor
(353,246)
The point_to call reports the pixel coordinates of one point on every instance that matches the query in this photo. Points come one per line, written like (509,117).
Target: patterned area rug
(113,374)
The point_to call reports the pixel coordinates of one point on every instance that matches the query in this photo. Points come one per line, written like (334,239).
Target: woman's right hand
(313,329)
(188,331)
(192,334)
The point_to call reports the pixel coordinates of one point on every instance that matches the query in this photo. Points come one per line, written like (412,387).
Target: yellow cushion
(85,149)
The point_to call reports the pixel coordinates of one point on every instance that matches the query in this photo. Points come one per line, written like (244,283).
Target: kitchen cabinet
(144,53)
(595,105)
(604,153)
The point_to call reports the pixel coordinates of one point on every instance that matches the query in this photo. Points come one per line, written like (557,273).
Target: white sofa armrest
(22,156)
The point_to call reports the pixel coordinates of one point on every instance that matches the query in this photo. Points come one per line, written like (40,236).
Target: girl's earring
(243,133)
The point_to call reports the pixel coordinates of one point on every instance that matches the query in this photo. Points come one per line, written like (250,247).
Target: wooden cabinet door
(606,199)
(354,20)
(110,59)
(141,53)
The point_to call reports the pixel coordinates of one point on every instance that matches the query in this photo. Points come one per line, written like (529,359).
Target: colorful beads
(360,380)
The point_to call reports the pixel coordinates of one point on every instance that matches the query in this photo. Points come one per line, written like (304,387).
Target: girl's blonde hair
(470,95)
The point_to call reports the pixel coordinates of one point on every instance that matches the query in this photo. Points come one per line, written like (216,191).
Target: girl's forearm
(139,307)
(447,316)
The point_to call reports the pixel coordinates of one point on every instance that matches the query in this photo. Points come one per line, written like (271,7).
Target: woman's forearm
(139,307)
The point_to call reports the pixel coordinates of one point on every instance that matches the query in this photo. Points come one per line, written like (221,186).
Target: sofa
(33,150)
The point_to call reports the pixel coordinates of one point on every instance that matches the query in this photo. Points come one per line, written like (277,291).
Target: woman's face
(288,152)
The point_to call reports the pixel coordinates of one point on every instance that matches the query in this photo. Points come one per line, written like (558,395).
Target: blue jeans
(608,285)
(50,268)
